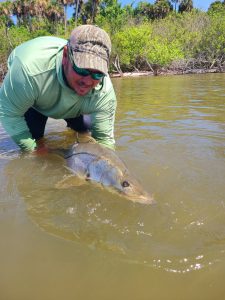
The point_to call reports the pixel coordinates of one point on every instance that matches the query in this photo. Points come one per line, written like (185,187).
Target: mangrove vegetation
(166,36)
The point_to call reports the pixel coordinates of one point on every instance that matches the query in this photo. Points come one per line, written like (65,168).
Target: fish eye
(125,183)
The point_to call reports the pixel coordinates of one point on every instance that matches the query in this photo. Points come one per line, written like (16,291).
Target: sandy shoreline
(166,73)
(160,73)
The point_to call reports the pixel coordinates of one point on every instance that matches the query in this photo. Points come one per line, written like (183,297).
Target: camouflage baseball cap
(91,47)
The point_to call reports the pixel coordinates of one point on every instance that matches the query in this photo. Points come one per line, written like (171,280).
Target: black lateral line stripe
(74,154)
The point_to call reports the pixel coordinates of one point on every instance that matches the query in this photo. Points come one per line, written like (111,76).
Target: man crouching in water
(52,77)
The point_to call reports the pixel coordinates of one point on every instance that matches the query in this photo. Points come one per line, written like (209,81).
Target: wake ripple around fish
(135,233)
(154,236)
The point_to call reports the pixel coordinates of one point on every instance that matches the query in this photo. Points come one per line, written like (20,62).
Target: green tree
(161,53)
(95,10)
(130,46)
(185,6)
(38,8)
(5,13)
(21,9)
(162,8)
(78,7)
(212,45)
(64,4)
(216,7)
(26,11)
(111,16)
(5,22)
(190,28)
(187,29)
(89,11)
(54,14)
(144,10)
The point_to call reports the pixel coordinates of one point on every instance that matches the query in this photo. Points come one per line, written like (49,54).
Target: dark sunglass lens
(97,76)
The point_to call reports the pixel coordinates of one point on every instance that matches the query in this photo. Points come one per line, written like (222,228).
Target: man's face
(80,84)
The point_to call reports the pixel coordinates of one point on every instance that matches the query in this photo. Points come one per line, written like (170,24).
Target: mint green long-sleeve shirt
(35,79)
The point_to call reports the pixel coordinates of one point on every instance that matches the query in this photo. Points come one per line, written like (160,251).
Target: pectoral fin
(69,181)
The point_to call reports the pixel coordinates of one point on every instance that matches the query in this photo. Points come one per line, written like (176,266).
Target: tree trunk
(116,64)
(65,17)
(76,14)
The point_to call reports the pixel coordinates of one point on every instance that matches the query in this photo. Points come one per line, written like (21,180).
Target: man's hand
(85,137)
(41,148)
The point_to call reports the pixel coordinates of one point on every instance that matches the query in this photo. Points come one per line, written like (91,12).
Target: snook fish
(93,162)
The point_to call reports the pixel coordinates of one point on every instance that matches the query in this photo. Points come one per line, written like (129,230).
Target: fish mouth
(143,199)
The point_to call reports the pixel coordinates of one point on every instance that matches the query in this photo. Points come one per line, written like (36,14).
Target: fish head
(132,189)
(117,177)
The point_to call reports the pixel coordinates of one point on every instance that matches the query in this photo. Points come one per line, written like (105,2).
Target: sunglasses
(81,71)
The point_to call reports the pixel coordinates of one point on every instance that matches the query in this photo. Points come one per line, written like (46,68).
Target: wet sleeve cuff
(25,141)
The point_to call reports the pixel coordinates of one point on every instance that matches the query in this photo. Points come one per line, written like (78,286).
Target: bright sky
(201,4)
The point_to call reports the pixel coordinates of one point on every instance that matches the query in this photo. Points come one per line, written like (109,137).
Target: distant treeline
(164,36)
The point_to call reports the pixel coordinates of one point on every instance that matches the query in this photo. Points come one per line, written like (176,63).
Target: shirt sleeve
(103,120)
(17,94)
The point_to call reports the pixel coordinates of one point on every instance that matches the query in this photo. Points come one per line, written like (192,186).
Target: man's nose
(88,80)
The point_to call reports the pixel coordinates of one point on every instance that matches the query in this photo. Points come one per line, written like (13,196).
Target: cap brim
(90,61)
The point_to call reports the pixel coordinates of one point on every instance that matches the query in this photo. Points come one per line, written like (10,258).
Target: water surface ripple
(170,132)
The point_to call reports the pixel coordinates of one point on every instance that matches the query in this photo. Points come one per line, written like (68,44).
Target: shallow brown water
(87,243)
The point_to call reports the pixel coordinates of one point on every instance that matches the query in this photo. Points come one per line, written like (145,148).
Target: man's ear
(65,55)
